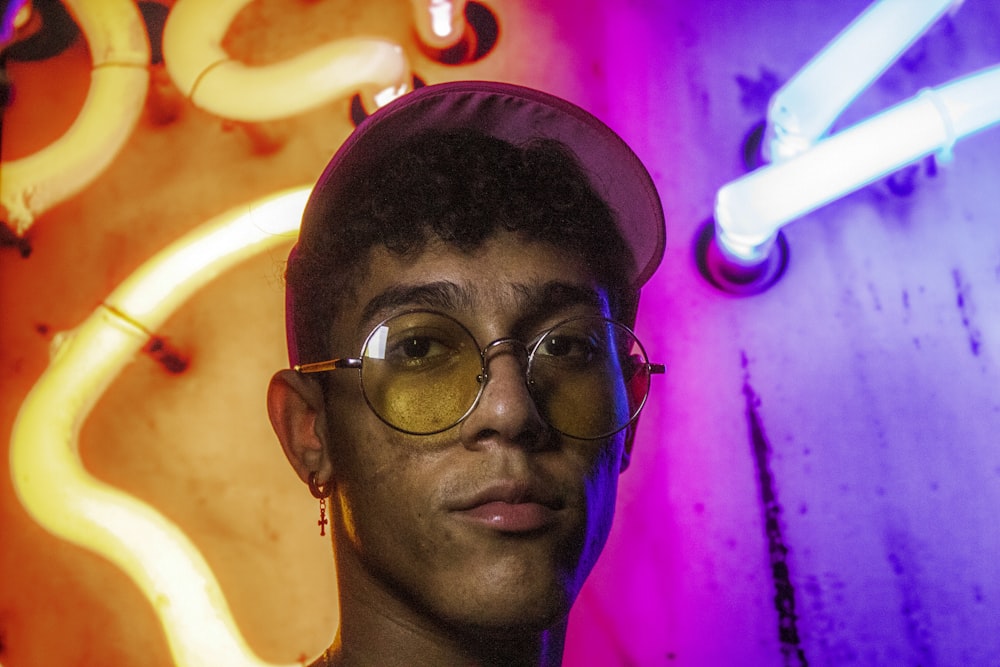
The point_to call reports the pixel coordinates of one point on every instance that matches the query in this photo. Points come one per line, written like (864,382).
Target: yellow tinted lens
(420,372)
(581,377)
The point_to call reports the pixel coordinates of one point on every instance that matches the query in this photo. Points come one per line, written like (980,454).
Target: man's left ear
(296,407)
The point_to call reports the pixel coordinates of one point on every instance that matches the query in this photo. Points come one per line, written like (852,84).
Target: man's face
(495,522)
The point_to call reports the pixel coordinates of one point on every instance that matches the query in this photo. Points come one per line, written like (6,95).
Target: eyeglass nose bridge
(490,351)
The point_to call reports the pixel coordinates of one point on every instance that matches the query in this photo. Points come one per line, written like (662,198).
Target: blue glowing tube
(750,210)
(804,108)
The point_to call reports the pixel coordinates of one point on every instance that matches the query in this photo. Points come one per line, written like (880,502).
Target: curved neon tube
(45,464)
(440,24)
(119,51)
(804,108)
(213,81)
(750,210)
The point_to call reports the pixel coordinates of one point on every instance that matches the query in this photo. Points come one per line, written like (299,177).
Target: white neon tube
(440,24)
(750,210)
(45,466)
(206,74)
(119,51)
(804,108)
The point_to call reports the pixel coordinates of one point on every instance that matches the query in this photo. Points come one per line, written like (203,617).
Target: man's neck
(547,654)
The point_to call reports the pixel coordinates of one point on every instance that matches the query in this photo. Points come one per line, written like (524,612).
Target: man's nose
(506,412)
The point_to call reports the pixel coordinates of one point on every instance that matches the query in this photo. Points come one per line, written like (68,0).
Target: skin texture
(427,575)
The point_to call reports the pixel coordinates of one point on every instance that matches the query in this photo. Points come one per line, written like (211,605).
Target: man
(465,386)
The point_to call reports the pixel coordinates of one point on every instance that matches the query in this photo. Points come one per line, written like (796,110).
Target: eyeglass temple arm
(638,366)
(331,365)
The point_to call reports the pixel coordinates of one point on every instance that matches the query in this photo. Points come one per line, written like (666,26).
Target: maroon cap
(515,114)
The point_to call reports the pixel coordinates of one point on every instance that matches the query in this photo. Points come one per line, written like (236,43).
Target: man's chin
(513,610)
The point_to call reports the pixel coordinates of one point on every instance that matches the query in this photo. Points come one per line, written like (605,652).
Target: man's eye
(570,348)
(415,348)
(419,352)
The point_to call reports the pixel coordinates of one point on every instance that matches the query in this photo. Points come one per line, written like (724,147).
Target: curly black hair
(462,188)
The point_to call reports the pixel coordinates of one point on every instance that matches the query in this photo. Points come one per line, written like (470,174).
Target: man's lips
(510,506)
(510,517)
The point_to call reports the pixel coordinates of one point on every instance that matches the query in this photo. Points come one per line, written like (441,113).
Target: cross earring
(321,492)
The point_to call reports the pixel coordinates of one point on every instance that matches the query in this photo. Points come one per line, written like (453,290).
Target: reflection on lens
(420,372)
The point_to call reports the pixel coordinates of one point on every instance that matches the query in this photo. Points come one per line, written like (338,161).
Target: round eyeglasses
(423,372)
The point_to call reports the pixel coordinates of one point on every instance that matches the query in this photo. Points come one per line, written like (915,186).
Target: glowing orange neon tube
(119,51)
(205,73)
(45,464)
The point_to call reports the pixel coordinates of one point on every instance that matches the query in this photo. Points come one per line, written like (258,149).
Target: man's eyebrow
(542,301)
(535,302)
(441,295)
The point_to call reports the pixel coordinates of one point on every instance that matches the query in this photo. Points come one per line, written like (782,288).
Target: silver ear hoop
(319,491)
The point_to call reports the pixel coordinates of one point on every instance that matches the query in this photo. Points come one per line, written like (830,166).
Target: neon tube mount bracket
(735,275)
